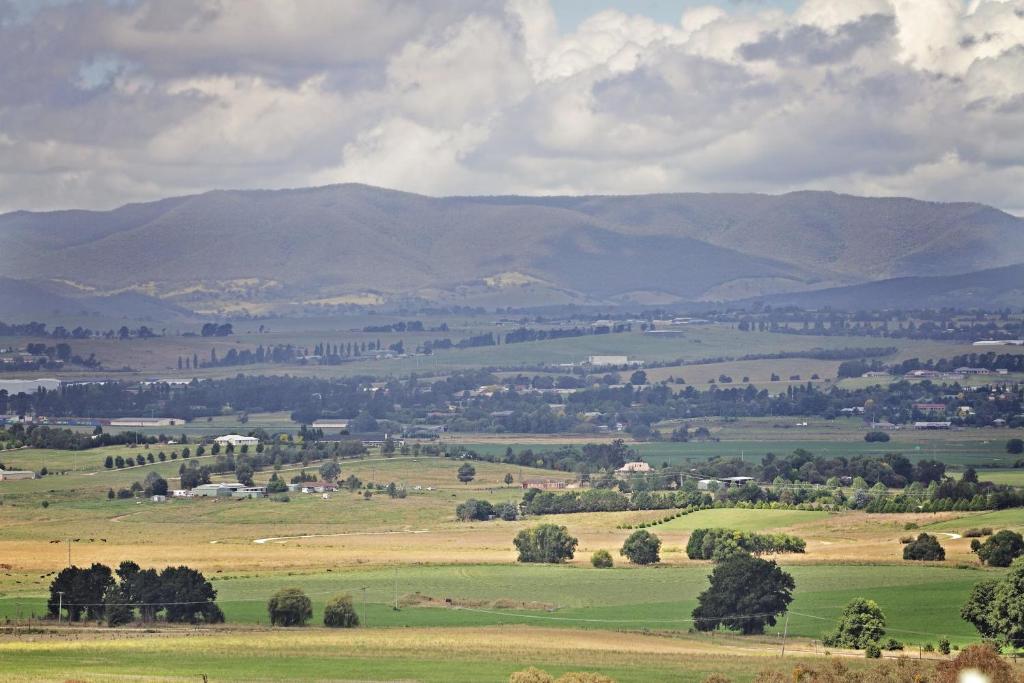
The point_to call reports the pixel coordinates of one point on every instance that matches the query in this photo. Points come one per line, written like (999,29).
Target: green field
(743,520)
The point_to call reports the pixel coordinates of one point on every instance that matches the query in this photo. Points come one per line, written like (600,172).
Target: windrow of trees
(714,544)
(97,593)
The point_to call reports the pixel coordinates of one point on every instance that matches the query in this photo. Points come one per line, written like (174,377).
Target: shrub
(944,645)
(340,612)
(872,651)
(601,559)
(928,647)
(642,547)
(978,658)
(473,509)
(909,526)
(972,533)
(926,547)
(876,437)
(892,645)
(289,607)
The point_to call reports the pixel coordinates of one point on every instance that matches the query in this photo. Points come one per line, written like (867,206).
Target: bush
(872,651)
(473,509)
(876,437)
(642,547)
(861,625)
(547,543)
(893,645)
(340,612)
(602,559)
(978,658)
(289,607)
(944,645)
(926,547)
(709,544)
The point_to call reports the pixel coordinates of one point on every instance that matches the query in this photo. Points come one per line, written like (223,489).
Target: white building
(638,467)
(237,440)
(147,422)
(601,361)
(15,475)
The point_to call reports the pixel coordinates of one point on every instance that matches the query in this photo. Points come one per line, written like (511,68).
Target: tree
(508,479)
(188,597)
(549,543)
(466,473)
(474,509)
(642,547)
(861,624)
(330,471)
(340,612)
(601,559)
(638,377)
(289,607)
(155,485)
(876,437)
(925,547)
(746,593)
(83,591)
(1001,549)
(108,462)
(1007,612)
(1015,446)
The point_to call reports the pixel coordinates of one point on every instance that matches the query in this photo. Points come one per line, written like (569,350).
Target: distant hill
(22,301)
(992,288)
(343,244)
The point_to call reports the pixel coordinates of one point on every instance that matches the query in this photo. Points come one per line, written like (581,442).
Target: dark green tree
(746,594)
(642,547)
(925,547)
(466,473)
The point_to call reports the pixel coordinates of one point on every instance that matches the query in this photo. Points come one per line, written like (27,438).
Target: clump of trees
(925,547)
(1000,549)
(862,624)
(340,612)
(713,544)
(996,607)
(289,607)
(182,594)
(482,510)
(642,547)
(546,543)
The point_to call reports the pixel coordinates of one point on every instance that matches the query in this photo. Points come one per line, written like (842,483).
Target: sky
(104,102)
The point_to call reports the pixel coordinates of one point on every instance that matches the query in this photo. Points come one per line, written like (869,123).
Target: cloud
(103,103)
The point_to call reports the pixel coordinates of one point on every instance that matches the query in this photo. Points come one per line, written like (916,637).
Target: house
(237,440)
(972,371)
(923,374)
(930,407)
(158,499)
(638,467)
(15,475)
(378,440)
(875,373)
(708,484)
(182,493)
(933,425)
(884,424)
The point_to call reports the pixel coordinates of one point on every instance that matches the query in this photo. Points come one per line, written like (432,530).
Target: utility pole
(69,552)
(785,632)
(60,605)
(364,605)
(396,587)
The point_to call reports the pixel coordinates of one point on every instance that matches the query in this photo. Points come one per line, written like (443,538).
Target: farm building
(708,484)
(217,490)
(250,492)
(146,422)
(933,425)
(237,440)
(638,467)
(737,481)
(15,475)
(930,407)
(600,361)
(544,484)
(330,424)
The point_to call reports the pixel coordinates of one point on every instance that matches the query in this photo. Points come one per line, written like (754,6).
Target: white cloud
(105,103)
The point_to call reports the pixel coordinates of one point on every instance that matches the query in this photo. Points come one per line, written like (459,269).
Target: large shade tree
(746,594)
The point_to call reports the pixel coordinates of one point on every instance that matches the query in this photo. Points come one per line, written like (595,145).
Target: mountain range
(342,245)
